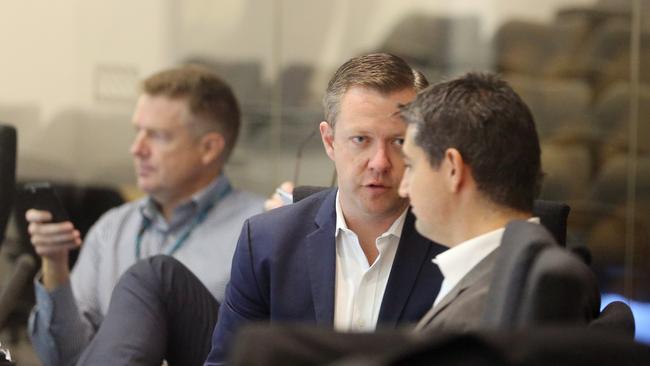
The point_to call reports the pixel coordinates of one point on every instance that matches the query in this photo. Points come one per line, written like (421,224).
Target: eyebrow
(363,131)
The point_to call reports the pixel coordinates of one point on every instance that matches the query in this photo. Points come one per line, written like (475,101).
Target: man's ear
(212,146)
(327,135)
(455,169)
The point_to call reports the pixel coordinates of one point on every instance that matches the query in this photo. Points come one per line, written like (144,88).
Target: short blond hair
(382,72)
(208,97)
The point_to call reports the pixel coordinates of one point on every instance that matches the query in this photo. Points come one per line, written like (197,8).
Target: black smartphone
(41,196)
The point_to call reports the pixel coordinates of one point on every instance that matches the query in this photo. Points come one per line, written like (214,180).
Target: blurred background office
(69,70)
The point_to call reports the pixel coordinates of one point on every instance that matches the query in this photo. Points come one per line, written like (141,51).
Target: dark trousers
(159,310)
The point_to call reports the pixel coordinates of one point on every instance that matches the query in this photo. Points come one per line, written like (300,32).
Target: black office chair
(536,282)
(7,184)
(553,215)
(616,317)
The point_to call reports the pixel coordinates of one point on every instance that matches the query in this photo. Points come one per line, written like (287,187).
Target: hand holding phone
(52,236)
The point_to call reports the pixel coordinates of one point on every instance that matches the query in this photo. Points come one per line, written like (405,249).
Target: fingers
(287,186)
(281,197)
(274,202)
(50,239)
(53,252)
(33,215)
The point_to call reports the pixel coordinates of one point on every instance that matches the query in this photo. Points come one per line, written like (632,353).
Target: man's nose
(403,190)
(380,159)
(138,146)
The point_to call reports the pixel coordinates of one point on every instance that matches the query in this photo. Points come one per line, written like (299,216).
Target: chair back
(553,215)
(7,174)
(616,317)
(537,282)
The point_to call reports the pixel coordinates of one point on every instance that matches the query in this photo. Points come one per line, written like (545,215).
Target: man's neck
(167,205)
(483,221)
(368,228)
(168,211)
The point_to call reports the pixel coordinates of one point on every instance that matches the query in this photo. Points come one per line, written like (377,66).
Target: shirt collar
(199,201)
(341,226)
(456,262)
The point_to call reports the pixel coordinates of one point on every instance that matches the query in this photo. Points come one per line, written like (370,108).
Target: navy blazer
(284,270)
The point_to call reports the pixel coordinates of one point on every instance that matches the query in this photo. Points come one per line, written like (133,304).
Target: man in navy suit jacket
(297,263)
(289,275)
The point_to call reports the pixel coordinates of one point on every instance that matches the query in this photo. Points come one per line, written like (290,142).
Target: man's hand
(277,199)
(53,242)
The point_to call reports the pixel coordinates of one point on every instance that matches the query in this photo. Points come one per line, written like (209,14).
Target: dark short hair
(209,99)
(487,122)
(382,72)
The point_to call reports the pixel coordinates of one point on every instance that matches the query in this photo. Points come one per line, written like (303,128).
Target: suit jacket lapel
(412,253)
(321,249)
(476,274)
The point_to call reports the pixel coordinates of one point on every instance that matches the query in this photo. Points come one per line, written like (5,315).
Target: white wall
(50,49)
(50,55)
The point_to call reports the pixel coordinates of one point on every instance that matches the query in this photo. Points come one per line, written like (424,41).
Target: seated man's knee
(162,263)
(150,272)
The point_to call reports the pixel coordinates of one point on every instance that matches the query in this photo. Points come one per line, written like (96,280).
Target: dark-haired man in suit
(472,165)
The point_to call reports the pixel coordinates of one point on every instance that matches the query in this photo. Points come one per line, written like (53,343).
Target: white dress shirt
(360,286)
(457,261)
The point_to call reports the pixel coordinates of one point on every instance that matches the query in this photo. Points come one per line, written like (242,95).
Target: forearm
(56,271)
(57,328)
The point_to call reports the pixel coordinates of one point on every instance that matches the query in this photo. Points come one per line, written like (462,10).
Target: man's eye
(399,142)
(359,139)
(159,135)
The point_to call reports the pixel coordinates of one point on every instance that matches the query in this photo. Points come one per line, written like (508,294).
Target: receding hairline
(382,93)
(196,124)
(382,72)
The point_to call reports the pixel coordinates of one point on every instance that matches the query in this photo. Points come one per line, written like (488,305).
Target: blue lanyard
(198,219)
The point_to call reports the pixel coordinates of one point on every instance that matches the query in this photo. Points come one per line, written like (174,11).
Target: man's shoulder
(117,221)
(278,238)
(246,196)
(121,212)
(240,200)
(285,228)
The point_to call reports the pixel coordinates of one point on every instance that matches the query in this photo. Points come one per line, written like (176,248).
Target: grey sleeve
(64,321)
